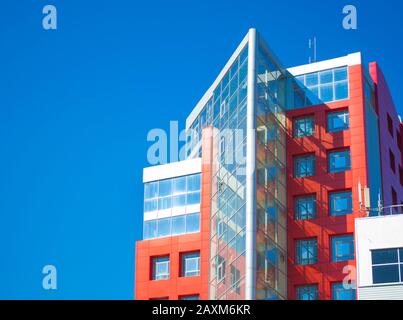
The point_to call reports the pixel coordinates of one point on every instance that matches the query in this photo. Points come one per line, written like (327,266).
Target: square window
(312,79)
(305,207)
(341,90)
(340,74)
(306,251)
(160,268)
(326,76)
(190,264)
(341,203)
(304,127)
(165,188)
(340,292)
(304,166)
(179,185)
(150,190)
(342,248)
(309,292)
(338,121)
(339,161)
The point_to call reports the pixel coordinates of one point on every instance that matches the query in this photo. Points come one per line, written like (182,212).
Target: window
(387,266)
(306,251)
(339,161)
(390,124)
(172,226)
(323,86)
(340,203)
(150,229)
(338,121)
(193,222)
(234,279)
(190,297)
(304,166)
(172,193)
(392,161)
(305,207)
(190,264)
(304,127)
(309,292)
(220,269)
(160,268)
(339,292)
(401,175)
(342,248)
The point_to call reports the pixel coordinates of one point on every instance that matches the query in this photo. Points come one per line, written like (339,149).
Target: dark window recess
(401,175)
(399,140)
(394,196)
(392,161)
(390,125)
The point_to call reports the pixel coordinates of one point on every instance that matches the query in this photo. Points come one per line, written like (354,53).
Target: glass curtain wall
(271,236)
(226,112)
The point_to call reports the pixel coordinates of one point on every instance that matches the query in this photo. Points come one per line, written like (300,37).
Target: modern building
(285,161)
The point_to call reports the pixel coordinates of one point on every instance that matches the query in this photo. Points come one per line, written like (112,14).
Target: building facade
(285,158)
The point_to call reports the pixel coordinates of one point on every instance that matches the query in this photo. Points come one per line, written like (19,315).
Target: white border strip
(349,60)
(172,170)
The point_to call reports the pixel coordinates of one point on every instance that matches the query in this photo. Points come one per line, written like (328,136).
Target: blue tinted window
(179,201)
(193,182)
(340,203)
(304,166)
(385,256)
(338,121)
(339,161)
(385,273)
(160,268)
(306,251)
(305,207)
(164,227)
(193,222)
(193,297)
(190,264)
(165,188)
(342,248)
(151,190)
(304,127)
(307,292)
(179,185)
(150,205)
(150,229)
(193,198)
(341,90)
(164,203)
(339,292)
(178,225)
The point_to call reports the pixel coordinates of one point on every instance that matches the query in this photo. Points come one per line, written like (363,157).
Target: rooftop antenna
(312,47)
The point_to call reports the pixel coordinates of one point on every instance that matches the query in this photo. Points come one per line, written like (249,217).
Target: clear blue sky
(76,105)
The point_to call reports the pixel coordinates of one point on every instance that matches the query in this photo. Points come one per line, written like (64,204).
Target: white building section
(379,260)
